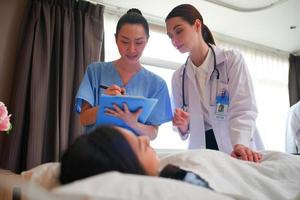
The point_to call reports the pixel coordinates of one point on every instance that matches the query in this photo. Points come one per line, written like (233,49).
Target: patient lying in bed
(277,176)
(110,148)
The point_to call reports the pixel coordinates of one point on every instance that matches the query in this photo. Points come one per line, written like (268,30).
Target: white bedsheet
(276,177)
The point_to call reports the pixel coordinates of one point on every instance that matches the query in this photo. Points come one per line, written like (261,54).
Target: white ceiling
(269,27)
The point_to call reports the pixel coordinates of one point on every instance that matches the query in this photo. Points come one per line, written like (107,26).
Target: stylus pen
(103,86)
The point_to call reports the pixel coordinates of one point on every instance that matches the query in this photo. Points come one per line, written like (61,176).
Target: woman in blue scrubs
(125,76)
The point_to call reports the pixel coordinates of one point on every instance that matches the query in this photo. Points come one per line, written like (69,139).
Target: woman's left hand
(130,118)
(244,153)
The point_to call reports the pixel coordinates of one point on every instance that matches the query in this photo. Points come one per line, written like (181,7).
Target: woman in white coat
(212,91)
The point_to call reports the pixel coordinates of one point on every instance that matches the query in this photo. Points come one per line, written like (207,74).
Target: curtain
(59,39)
(294,79)
(294,95)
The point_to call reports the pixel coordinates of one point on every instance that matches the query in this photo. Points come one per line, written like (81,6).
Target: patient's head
(143,151)
(106,149)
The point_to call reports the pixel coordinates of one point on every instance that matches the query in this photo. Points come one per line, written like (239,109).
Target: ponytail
(207,35)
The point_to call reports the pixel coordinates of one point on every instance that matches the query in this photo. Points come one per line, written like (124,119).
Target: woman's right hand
(181,120)
(114,90)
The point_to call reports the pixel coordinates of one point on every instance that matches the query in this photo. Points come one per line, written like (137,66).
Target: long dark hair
(104,149)
(133,16)
(189,14)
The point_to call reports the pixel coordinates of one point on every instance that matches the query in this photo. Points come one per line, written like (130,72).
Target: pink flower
(5,124)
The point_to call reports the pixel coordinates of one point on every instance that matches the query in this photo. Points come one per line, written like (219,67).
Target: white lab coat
(292,139)
(239,125)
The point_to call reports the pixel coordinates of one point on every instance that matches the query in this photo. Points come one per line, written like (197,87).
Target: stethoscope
(184,105)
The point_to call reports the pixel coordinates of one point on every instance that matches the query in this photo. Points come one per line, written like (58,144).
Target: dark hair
(133,16)
(189,14)
(104,149)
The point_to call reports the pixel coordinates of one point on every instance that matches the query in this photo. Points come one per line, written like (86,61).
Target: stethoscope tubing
(184,105)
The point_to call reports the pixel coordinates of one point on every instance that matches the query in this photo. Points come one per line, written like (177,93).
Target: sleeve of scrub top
(162,111)
(85,91)
(177,98)
(242,110)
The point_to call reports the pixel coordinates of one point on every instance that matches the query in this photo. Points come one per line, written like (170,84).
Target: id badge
(222,103)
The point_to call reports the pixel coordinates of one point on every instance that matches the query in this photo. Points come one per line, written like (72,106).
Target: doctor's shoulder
(177,76)
(234,58)
(233,54)
(179,71)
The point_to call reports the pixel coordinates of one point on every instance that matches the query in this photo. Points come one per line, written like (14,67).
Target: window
(269,71)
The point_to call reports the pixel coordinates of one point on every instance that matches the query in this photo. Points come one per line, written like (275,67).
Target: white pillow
(115,185)
(45,175)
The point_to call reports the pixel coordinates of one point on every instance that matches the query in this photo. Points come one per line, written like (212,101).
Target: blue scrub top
(143,83)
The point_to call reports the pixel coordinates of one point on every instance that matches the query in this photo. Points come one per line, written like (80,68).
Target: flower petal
(5,124)
(3,111)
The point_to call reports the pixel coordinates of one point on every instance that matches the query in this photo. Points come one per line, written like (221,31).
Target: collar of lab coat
(220,59)
(220,55)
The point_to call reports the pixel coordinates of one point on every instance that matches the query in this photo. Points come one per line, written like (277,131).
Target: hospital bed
(276,177)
